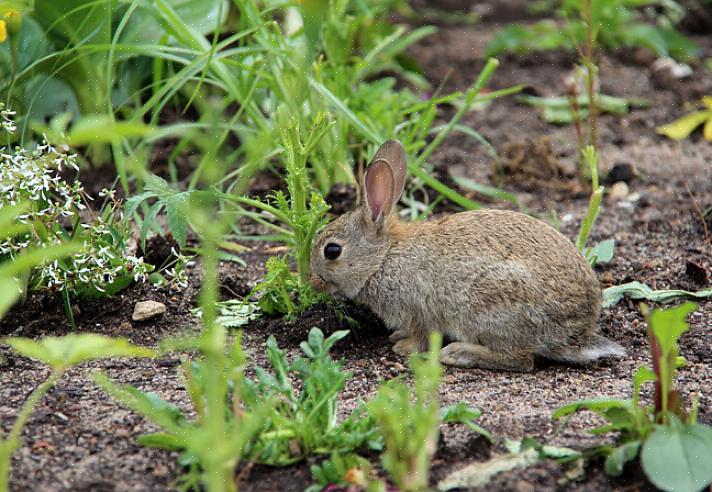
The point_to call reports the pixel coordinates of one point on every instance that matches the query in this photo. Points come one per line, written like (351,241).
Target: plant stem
(590,156)
(591,74)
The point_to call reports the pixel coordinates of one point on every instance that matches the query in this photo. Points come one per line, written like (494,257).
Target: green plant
(603,251)
(410,419)
(343,470)
(304,422)
(59,353)
(104,264)
(636,290)
(12,271)
(674,448)
(683,127)
(268,419)
(615,22)
(300,215)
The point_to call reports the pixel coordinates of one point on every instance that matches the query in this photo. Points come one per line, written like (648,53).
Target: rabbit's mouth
(319,284)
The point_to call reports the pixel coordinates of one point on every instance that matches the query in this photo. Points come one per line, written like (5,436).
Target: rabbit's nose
(318,283)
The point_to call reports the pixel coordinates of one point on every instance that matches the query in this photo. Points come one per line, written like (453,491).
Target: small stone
(145,310)
(619,191)
(125,326)
(524,486)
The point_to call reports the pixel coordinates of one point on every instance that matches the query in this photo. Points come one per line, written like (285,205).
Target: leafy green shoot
(410,419)
(603,251)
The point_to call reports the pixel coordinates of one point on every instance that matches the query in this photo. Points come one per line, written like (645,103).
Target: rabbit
(503,286)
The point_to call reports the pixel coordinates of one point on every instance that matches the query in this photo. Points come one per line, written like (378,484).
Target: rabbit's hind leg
(469,355)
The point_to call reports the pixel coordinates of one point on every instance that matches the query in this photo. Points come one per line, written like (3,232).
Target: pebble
(619,191)
(145,310)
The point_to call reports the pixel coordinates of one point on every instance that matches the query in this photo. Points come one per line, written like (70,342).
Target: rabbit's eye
(332,251)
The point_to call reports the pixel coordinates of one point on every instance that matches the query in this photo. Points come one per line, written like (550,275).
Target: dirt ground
(79,439)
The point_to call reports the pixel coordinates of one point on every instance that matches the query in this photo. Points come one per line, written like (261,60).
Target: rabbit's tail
(593,348)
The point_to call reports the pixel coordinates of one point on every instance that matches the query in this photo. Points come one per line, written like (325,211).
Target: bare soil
(80,440)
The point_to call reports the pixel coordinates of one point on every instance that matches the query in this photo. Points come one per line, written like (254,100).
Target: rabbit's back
(497,278)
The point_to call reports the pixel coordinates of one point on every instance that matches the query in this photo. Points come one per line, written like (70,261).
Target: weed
(343,470)
(683,127)
(603,251)
(674,449)
(410,420)
(59,353)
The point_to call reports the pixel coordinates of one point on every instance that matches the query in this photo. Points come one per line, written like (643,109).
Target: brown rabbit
(504,286)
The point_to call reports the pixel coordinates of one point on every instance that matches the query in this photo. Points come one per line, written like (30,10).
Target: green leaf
(159,411)
(601,252)
(69,350)
(678,458)
(161,440)
(619,456)
(636,290)
(597,405)
(10,289)
(640,34)
(669,324)
(682,127)
(104,129)
(200,15)
(177,215)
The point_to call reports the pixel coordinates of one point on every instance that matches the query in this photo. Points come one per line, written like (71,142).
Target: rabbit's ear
(384,180)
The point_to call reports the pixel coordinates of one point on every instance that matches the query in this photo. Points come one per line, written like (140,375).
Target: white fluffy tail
(598,347)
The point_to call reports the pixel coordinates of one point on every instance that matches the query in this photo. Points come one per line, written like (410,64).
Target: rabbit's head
(352,248)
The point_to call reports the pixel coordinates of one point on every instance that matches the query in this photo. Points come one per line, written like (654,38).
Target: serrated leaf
(177,215)
(66,351)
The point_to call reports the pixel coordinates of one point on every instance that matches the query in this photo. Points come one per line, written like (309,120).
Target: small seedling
(410,420)
(59,353)
(675,450)
(683,127)
(603,251)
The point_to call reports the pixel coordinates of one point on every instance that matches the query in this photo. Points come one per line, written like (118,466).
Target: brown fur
(503,285)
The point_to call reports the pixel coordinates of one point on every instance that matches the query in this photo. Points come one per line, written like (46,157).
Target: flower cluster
(57,207)
(174,275)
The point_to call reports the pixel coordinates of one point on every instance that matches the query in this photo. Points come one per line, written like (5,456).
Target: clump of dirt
(532,164)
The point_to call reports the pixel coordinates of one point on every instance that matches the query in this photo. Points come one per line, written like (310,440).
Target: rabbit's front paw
(407,346)
(399,335)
